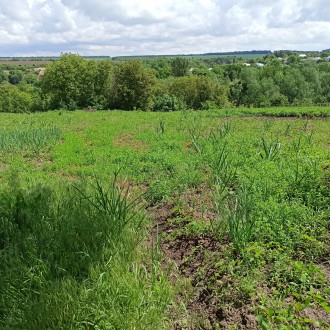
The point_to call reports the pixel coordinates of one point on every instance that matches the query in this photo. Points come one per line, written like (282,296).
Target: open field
(41,61)
(193,57)
(212,219)
(26,62)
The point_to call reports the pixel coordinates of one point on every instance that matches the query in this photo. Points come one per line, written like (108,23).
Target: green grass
(75,244)
(33,139)
(71,259)
(295,112)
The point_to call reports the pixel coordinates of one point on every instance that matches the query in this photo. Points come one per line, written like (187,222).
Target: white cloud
(126,27)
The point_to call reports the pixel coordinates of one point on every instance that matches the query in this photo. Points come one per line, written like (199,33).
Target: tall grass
(70,259)
(241,218)
(31,139)
(270,150)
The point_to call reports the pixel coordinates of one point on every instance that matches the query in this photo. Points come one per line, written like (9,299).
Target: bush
(72,82)
(179,66)
(15,77)
(168,102)
(3,77)
(132,86)
(18,99)
(195,91)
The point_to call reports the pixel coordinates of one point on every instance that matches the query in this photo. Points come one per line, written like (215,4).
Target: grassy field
(186,220)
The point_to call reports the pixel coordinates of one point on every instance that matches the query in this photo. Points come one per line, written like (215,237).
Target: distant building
(260,65)
(247,64)
(327,58)
(318,58)
(302,55)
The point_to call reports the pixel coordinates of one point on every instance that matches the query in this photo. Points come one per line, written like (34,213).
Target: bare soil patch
(3,167)
(127,140)
(195,257)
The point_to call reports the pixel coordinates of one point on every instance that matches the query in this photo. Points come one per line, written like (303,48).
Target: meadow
(213,219)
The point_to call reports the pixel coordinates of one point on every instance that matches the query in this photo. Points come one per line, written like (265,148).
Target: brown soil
(316,314)
(325,268)
(194,257)
(3,167)
(40,162)
(126,140)
(134,189)
(210,296)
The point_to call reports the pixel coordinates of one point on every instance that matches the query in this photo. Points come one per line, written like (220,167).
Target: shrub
(72,82)
(18,100)
(195,91)
(132,86)
(167,102)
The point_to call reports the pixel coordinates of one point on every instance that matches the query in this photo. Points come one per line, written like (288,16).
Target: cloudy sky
(136,27)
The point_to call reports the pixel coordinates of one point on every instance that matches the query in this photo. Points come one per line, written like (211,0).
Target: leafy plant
(161,127)
(269,151)
(240,217)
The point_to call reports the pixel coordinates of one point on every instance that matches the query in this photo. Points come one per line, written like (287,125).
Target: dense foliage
(23,98)
(167,84)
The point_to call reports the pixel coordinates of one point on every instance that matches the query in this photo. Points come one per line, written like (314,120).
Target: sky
(158,27)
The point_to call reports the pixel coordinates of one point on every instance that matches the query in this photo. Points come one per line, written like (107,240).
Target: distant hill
(238,53)
(250,53)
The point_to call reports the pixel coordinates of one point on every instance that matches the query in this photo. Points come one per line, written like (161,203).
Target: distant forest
(282,78)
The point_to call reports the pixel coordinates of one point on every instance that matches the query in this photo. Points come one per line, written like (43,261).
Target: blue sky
(133,27)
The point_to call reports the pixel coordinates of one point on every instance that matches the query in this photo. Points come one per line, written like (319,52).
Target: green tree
(180,66)
(295,87)
(269,94)
(198,91)
(235,92)
(103,79)
(280,53)
(325,87)
(251,86)
(64,82)
(325,54)
(293,58)
(324,67)
(132,86)
(233,71)
(272,68)
(18,99)
(312,78)
(96,87)
(15,77)
(162,67)
(31,78)
(3,77)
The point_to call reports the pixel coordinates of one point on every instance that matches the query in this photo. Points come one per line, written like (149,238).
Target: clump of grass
(161,127)
(236,214)
(70,259)
(241,219)
(32,139)
(113,203)
(269,151)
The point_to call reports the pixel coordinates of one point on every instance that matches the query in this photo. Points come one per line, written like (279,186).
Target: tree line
(165,84)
